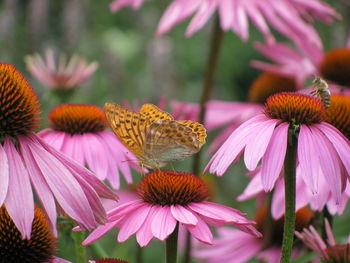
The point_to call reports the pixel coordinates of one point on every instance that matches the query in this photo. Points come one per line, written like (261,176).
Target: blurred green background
(136,65)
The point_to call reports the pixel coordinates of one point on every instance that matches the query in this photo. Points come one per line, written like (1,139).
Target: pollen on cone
(172,188)
(268,84)
(77,118)
(40,248)
(19,106)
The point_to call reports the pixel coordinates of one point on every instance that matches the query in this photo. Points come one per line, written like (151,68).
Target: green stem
(139,254)
(171,246)
(99,252)
(289,187)
(80,251)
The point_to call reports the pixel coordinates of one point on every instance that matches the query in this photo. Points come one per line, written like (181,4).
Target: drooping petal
(257,145)
(144,234)
(99,232)
(4,175)
(253,188)
(201,231)
(183,215)
(308,157)
(133,222)
(163,223)
(19,200)
(273,159)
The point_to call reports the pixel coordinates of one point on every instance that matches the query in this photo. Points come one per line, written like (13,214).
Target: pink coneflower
(169,198)
(321,147)
(27,161)
(331,253)
(66,75)
(233,246)
(40,248)
(307,60)
(235,14)
(79,131)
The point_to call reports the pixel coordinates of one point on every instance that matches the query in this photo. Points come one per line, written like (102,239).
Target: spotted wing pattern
(130,127)
(153,113)
(198,129)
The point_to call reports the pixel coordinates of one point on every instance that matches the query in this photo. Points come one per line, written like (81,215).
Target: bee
(321,90)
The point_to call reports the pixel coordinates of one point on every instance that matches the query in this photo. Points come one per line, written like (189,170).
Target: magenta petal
(67,191)
(219,213)
(124,209)
(99,232)
(42,189)
(340,143)
(253,189)
(144,234)
(4,175)
(273,159)
(133,222)
(163,223)
(183,215)
(19,200)
(308,157)
(329,163)
(201,231)
(258,143)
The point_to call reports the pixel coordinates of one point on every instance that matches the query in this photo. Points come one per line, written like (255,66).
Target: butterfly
(154,136)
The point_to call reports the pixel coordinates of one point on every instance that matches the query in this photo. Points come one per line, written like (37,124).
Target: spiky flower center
(172,188)
(268,84)
(335,66)
(77,119)
(338,114)
(295,108)
(338,254)
(273,229)
(39,248)
(19,106)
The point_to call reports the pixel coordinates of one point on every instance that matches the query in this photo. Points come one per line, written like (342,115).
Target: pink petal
(163,223)
(308,157)
(201,231)
(233,146)
(124,209)
(99,232)
(329,163)
(219,212)
(65,188)
(4,175)
(144,234)
(133,222)
(340,143)
(257,145)
(19,200)
(273,159)
(183,215)
(253,188)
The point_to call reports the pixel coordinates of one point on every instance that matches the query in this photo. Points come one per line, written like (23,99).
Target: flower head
(26,161)
(40,248)
(79,131)
(234,15)
(321,150)
(233,246)
(66,75)
(338,114)
(331,253)
(169,198)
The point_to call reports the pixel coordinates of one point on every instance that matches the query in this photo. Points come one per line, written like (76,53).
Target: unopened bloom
(40,247)
(331,253)
(321,151)
(27,162)
(233,246)
(66,75)
(167,199)
(80,132)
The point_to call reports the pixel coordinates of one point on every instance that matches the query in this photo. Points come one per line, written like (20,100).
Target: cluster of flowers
(49,165)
